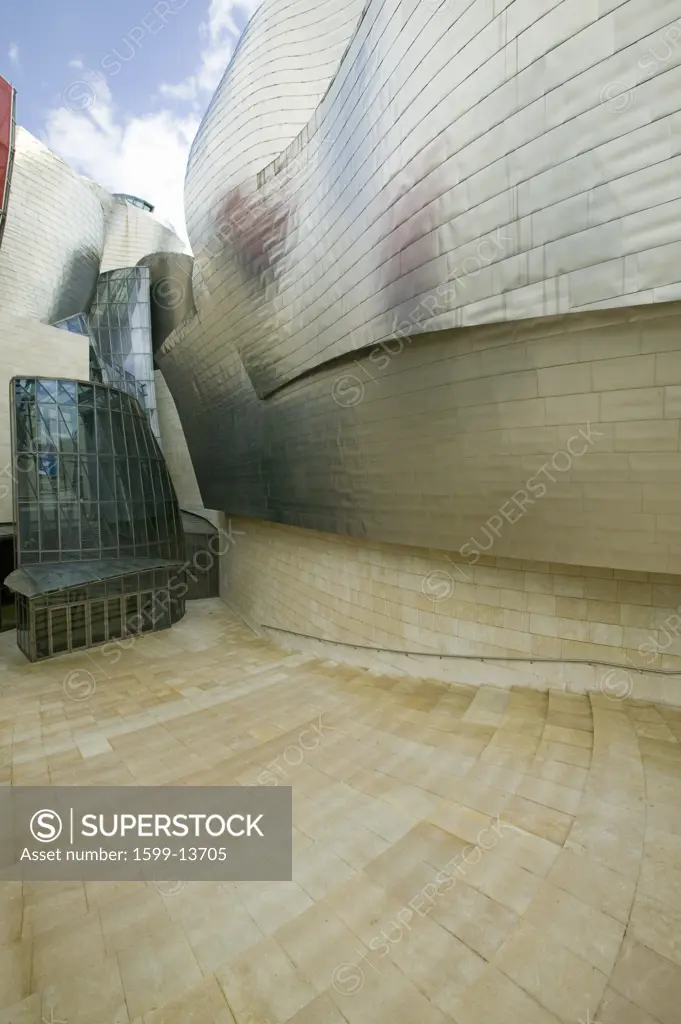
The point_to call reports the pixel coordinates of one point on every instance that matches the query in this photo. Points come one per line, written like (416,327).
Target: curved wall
(281,68)
(53,239)
(369,604)
(172,296)
(132,233)
(555,441)
(176,453)
(466,166)
(465,151)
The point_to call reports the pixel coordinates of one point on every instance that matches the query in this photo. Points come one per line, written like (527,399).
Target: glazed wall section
(28,348)
(344,592)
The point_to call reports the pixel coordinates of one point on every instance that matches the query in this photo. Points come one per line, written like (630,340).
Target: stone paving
(462,855)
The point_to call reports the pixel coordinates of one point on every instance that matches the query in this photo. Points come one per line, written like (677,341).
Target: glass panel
(66,394)
(161,609)
(47,391)
(78,634)
(146,612)
(97,622)
(114,613)
(132,623)
(41,633)
(58,631)
(86,396)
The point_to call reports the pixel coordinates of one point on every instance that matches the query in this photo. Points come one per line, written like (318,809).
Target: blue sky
(118,89)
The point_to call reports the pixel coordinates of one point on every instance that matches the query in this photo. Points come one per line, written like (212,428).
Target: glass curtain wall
(78,324)
(100,548)
(91,481)
(120,322)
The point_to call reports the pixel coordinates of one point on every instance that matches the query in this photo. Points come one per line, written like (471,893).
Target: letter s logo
(46,826)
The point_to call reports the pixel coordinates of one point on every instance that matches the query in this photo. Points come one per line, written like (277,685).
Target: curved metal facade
(172,294)
(470,164)
(132,233)
(62,231)
(53,239)
(279,72)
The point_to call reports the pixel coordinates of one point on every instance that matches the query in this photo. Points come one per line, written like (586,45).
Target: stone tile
(201,1004)
(66,949)
(657,925)
(322,1010)
(264,984)
(495,999)
(157,969)
(449,866)
(15,972)
(316,942)
(615,1009)
(480,922)
(559,979)
(383,996)
(649,981)
(590,934)
(542,821)
(125,920)
(598,886)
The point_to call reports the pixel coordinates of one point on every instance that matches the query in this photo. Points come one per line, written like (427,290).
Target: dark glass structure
(97,518)
(68,611)
(134,201)
(7,604)
(120,324)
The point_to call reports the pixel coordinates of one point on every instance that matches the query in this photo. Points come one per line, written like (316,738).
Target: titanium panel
(468,166)
(53,239)
(132,232)
(280,70)
(443,181)
(172,294)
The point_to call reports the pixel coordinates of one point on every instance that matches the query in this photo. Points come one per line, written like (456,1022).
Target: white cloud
(220,33)
(146,154)
(13,54)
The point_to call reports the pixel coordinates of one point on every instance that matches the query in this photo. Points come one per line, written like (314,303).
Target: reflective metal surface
(172,295)
(132,232)
(469,164)
(280,70)
(62,231)
(54,236)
